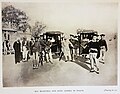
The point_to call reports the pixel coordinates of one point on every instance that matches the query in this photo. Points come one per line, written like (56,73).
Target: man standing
(36,50)
(103,48)
(17,48)
(49,52)
(8,46)
(4,48)
(94,54)
(42,52)
(31,46)
(72,51)
(66,50)
(25,49)
(21,56)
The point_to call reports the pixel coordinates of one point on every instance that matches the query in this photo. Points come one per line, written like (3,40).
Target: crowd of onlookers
(39,50)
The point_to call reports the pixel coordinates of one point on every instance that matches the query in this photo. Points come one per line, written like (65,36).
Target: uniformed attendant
(103,48)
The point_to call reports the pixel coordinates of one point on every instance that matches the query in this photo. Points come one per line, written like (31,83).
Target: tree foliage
(15,17)
(38,29)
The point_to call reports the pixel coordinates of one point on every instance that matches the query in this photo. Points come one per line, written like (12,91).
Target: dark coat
(103,43)
(17,48)
(31,47)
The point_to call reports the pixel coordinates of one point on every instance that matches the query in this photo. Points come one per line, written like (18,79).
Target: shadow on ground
(81,61)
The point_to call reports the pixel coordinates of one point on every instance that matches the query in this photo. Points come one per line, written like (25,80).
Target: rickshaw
(84,36)
(56,44)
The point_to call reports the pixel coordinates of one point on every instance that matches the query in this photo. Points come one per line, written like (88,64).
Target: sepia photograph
(59,44)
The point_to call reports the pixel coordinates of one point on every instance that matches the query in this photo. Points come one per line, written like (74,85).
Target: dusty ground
(60,73)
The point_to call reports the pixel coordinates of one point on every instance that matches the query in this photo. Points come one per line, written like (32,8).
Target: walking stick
(61,55)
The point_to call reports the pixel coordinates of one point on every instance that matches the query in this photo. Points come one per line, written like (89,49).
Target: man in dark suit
(17,48)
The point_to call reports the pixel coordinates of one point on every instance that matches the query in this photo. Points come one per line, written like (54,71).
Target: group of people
(40,50)
(69,48)
(97,49)
(36,49)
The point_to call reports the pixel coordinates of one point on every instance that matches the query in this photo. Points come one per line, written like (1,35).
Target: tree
(38,29)
(14,18)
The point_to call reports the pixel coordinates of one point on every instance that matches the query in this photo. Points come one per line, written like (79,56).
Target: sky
(68,17)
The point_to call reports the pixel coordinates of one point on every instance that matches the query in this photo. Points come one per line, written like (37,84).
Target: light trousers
(93,60)
(25,53)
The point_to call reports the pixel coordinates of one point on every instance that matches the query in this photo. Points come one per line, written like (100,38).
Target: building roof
(86,31)
(9,30)
(54,32)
